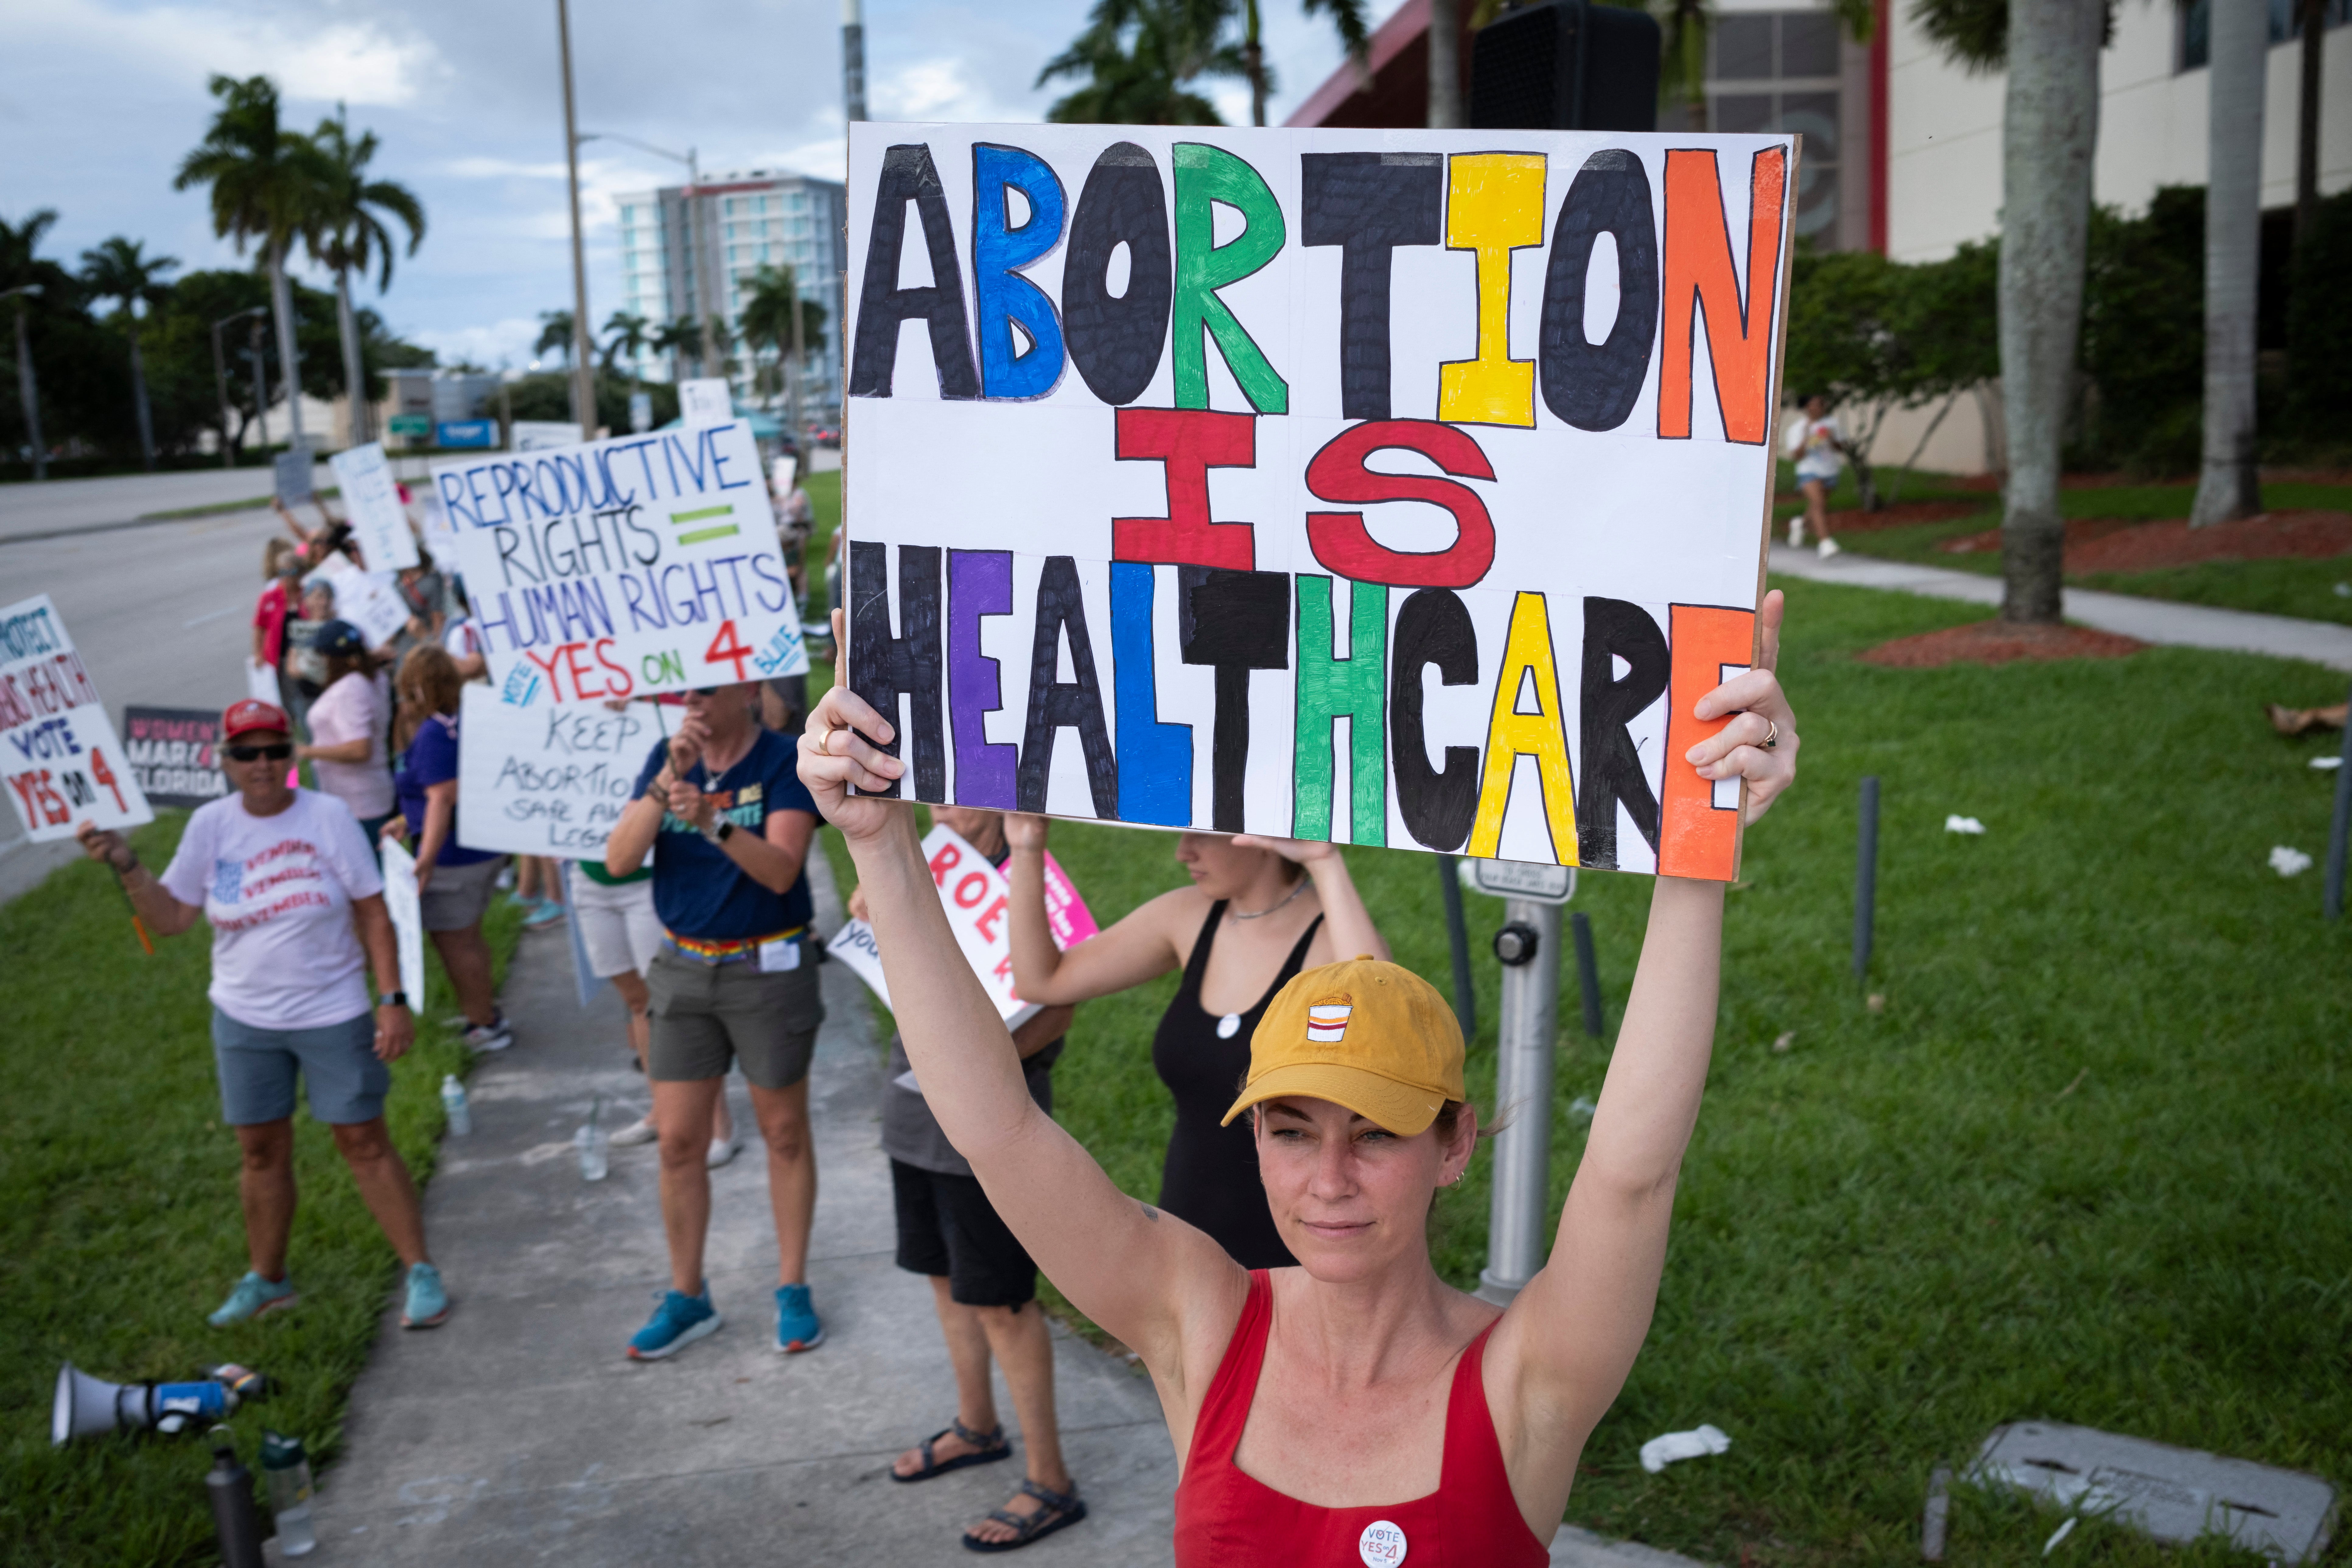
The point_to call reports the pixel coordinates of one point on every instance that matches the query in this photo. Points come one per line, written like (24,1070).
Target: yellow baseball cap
(1366,1033)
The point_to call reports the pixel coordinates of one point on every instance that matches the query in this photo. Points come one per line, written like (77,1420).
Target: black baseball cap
(339,639)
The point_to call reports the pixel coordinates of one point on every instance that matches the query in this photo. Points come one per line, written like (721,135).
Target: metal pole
(220,380)
(1865,878)
(702,232)
(28,389)
(853,59)
(1465,999)
(1587,972)
(583,374)
(260,388)
(1522,1197)
(2341,830)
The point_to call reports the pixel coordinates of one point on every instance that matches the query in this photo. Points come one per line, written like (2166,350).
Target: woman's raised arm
(1132,949)
(1140,1274)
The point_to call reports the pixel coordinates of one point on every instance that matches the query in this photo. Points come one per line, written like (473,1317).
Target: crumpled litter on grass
(1957,823)
(2335,762)
(2289,862)
(1667,1447)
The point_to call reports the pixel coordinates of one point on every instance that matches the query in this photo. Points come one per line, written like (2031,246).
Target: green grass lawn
(2088,1163)
(119,1228)
(2288,586)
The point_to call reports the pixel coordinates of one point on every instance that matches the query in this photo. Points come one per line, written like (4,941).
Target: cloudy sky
(100,99)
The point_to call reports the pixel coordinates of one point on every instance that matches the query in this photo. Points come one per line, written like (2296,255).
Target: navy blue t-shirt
(697,890)
(432,759)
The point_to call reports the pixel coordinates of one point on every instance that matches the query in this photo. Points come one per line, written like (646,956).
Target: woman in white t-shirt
(348,723)
(1818,447)
(297,911)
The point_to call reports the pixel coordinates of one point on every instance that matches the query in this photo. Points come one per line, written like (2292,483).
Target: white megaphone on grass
(89,1406)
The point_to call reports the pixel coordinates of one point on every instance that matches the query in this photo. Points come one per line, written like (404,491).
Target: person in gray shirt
(983,1283)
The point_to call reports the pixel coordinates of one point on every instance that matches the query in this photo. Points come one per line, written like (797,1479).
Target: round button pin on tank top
(1228,1026)
(1382,1545)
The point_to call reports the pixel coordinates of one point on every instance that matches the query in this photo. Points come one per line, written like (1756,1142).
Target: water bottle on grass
(453,1101)
(592,1141)
(288,1469)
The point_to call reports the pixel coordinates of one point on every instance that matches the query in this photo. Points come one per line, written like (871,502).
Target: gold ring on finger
(1772,735)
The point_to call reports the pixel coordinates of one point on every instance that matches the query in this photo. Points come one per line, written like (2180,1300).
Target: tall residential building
(675,254)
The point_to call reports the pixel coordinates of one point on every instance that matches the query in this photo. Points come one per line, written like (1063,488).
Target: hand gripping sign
(58,751)
(978,904)
(1388,487)
(623,568)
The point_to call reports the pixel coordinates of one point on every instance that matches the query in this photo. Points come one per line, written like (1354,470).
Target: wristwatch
(392,999)
(724,831)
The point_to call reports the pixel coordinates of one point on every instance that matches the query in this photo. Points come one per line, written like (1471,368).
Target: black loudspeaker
(1566,65)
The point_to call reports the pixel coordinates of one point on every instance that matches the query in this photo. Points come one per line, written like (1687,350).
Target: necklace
(1297,888)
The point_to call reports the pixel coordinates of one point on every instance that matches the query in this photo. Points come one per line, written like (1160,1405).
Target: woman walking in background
(297,909)
(1818,447)
(453,882)
(1258,912)
(348,723)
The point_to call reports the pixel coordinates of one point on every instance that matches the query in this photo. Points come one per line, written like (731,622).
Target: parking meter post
(1466,1001)
(1865,878)
(1587,972)
(1529,946)
(2340,830)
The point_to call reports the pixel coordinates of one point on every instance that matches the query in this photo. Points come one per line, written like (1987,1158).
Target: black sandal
(1060,1510)
(989,1448)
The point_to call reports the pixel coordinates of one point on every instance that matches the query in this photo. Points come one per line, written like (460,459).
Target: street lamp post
(261,390)
(695,249)
(26,390)
(853,59)
(220,379)
(584,375)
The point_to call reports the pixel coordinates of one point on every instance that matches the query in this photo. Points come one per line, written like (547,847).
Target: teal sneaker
(253,1296)
(797,1329)
(428,1303)
(678,1322)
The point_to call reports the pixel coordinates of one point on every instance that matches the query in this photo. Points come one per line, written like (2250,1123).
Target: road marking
(216,614)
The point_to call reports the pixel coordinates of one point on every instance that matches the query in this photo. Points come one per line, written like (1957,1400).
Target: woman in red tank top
(1355,1409)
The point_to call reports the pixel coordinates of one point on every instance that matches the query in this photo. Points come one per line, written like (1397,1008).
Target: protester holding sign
(728,826)
(281,568)
(981,1278)
(1280,906)
(1400,1415)
(348,723)
(285,879)
(454,883)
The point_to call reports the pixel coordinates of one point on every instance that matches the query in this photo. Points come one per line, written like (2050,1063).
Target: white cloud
(506,341)
(362,63)
(942,87)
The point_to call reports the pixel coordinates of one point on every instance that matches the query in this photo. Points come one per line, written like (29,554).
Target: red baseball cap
(242,718)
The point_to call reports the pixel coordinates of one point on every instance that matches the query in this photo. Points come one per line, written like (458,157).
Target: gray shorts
(457,895)
(708,1015)
(258,1069)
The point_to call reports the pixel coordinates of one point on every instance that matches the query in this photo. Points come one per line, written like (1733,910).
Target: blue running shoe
(678,1322)
(797,1329)
(427,1303)
(253,1296)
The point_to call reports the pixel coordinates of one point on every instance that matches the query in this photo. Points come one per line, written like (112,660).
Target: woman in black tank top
(1312,914)
(1210,1178)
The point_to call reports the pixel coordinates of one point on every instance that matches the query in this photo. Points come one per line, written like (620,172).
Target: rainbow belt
(728,950)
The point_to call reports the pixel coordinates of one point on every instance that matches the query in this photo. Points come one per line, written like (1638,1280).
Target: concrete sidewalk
(520,1433)
(2150,620)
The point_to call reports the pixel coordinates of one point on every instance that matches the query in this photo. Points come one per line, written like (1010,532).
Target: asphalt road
(161,614)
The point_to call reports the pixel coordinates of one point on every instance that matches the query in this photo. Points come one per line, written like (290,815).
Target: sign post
(1529,947)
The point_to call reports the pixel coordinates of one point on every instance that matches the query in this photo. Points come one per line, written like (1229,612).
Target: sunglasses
(277,754)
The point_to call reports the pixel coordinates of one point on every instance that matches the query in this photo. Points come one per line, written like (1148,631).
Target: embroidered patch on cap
(1327,1018)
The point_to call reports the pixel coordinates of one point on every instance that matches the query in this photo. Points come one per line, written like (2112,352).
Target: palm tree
(554,335)
(771,295)
(1135,59)
(1347,18)
(2050,132)
(355,238)
(26,276)
(627,337)
(676,338)
(2230,484)
(266,183)
(116,270)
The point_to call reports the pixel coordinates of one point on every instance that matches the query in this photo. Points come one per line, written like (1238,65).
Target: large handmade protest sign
(1389,487)
(978,899)
(369,602)
(623,568)
(372,502)
(58,751)
(549,780)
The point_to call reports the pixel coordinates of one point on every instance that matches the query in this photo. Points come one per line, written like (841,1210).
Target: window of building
(1778,71)
(2195,50)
